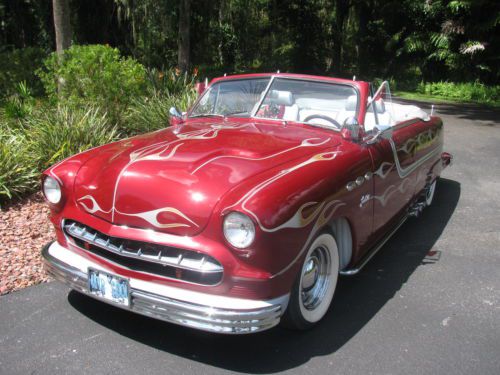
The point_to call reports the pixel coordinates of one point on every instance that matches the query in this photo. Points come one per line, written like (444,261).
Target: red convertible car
(246,210)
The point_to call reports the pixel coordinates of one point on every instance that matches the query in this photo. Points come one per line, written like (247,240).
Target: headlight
(52,190)
(239,230)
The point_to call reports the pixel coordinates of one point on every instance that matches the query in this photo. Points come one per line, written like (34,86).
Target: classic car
(245,211)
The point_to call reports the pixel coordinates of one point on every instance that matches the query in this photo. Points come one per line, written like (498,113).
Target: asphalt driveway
(428,303)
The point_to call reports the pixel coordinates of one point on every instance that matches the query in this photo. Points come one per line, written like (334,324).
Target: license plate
(109,287)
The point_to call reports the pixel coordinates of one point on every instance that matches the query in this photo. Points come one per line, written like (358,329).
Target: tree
(62,24)
(184,28)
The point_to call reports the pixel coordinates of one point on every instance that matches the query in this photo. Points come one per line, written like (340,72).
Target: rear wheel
(315,285)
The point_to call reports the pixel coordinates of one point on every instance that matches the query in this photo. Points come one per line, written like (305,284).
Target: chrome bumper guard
(203,317)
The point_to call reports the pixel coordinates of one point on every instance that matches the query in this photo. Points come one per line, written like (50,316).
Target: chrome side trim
(234,320)
(403,172)
(373,251)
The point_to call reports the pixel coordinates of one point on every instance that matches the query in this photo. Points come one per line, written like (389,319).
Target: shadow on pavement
(356,302)
(487,116)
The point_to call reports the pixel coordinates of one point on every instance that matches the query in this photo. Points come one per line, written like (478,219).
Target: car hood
(172,179)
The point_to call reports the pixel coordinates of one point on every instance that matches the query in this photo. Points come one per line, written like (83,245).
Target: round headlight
(52,190)
(239,230)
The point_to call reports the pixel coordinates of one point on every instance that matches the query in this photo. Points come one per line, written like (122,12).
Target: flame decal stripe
(327,156)
(321,219)
(152,217)
(95,206)
(305,143)
(155,152)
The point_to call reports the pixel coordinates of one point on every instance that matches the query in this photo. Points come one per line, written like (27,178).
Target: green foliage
(169,81)
(152,113)
(18,174)
(17,66)
(102,98)
(57,133)
(94,74)
(472,92)
(20,105)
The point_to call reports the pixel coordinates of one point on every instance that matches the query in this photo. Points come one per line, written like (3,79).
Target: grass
(448,92)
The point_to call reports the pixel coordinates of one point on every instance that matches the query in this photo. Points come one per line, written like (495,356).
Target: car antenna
(278,71)
(353,78)
(432,109)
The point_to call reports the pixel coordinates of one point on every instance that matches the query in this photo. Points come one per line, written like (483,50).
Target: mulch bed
(24,229)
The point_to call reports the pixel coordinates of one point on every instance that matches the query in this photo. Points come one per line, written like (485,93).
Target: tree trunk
(184,18)
(341,12)
(62,24)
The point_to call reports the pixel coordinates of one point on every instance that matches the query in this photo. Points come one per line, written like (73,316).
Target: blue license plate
(109,287)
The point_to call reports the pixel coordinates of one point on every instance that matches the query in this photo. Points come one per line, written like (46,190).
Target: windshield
(234,97)
(313,102)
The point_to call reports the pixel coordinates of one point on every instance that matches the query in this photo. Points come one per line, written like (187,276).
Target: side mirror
(174,112)
(175,116)
(350,129)
(379,132)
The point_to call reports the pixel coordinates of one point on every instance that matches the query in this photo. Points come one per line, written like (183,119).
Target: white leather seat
(291,113)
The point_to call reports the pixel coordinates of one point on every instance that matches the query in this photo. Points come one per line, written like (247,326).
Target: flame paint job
(174,186)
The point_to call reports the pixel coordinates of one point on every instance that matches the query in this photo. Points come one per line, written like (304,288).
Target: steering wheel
(323,117)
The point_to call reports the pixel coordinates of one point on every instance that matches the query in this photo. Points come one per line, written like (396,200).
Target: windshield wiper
(235,113)
(208,115)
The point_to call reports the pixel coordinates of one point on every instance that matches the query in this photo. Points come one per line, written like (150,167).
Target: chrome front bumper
(202,311)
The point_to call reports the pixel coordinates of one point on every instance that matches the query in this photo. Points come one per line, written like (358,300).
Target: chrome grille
(157,259)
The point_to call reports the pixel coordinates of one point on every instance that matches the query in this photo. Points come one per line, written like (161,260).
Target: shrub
(20,65)
(473,92)
(94,74)
(18,174)
(149,114)
(170,81)
(19,105)
(64,131)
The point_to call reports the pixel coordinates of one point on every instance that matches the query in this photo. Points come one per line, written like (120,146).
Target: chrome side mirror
(176,118)
(350,129)
(174,112)
(379,132)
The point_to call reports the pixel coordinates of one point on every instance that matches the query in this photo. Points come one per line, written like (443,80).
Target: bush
(170,81)
(18,174)
(19,106)
(149,114)
(64,131)
(20,65)
(94,74)
(473,92)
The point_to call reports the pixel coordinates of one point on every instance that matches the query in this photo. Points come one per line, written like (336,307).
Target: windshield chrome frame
(207,90)
(268,87)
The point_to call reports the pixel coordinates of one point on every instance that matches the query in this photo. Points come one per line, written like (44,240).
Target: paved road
(429,303)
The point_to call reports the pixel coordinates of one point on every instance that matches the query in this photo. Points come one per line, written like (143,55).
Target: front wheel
(314,287)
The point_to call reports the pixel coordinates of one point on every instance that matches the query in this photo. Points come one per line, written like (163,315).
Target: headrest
(351,103)
(281,97)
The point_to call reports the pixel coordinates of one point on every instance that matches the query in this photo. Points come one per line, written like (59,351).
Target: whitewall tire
(315,285)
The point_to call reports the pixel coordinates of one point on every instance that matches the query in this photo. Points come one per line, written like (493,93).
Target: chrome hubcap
(315,278)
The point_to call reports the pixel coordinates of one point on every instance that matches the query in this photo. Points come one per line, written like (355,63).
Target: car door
(391,152)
